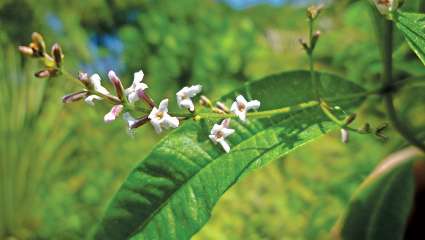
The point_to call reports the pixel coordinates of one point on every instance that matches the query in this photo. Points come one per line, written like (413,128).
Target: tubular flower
(240,107)
(113,114)
(95,84)
(136,89)
(160,119)
(345,135)
(219,133)
(185,94)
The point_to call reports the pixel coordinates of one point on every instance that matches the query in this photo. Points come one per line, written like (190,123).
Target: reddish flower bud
(84,78)
(139,122)
(57,54)
(143,95)
(43,74)
(74,97)
(119,89)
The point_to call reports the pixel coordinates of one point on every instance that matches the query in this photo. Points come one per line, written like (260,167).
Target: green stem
(387,83)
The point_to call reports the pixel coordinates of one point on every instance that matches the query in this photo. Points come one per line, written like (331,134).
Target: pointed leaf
(171,193)
(412,25)
(380,207)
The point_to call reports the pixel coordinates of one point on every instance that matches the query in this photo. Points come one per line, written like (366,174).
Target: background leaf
(412,25)
(381,205)
(171,193)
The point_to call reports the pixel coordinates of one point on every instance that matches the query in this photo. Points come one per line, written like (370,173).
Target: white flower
(160,119)
(132,91)
(220,132)
(113,114)
(241,106)
(185,94)
(386,6)
(95,82)
(129,119)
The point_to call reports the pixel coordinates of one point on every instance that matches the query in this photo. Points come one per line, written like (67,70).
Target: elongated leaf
(170,195)
(380,207)
(412,25)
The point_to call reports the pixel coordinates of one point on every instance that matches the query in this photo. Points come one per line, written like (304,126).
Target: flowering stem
(387,83)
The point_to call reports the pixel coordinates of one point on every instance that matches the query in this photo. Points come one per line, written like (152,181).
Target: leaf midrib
(166,201)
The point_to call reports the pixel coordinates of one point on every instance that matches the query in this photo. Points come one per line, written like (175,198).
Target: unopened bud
(345,136)
(139,122)
(217,110)
(119,89)
(314,11)
(43,74)
(348,120)
(222,107)
(74,97)
(26,51)
(314,40)
(204,101)
(38,40)
(145,97)
(57,54)
(304,44)
(84,78)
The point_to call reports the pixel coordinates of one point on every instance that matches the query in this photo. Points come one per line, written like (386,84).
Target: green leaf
(171,193)
(412,25)
(381,205)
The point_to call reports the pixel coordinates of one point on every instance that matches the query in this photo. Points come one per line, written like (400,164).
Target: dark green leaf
(171,193)
(381,205)
(412,25)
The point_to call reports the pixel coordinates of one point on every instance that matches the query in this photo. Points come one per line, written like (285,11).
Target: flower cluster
(124,101)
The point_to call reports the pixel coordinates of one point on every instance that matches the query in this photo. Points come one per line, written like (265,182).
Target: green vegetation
(60,165)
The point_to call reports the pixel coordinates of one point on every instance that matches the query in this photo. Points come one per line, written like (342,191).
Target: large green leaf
(381,205)
(171,193)
(412,25)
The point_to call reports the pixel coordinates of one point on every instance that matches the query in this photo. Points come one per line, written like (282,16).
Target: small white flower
(95,82)
(219,133)
(386,6)
(132,91)
(113,114)
(185,94)
(240,107)
(160,119)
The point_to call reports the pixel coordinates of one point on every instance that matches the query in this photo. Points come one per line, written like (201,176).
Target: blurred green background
(60,164)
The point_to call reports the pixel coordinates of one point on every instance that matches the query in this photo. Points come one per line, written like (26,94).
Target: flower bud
(143,95)
(119,89)
(204,101)
(222,107)
(344,135)
(43,74)
(84,78)
(139,122)
(314,40)
(348,120)
(314,11)
(26,51)
(39,44)
(114,113)
(57,54)
(304,44)
(74,97)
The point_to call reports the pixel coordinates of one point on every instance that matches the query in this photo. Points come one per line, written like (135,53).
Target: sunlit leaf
(412,25)
(171,193)
(381,205)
